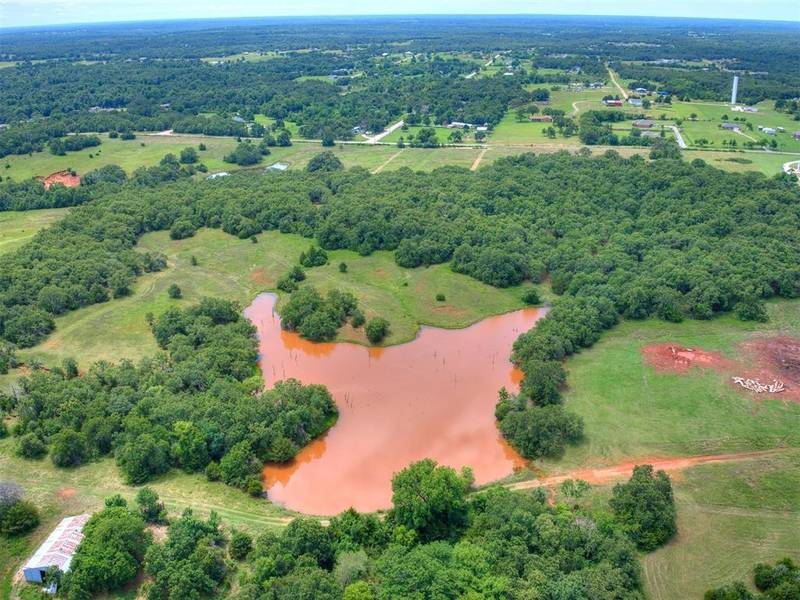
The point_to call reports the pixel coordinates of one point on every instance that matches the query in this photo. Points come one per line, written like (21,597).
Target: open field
(442,134)
(18,227)
(291,126)
(238,269)
(730,517)
(242,56)
(668,414)
(768,163)
(128,154)
(62,492)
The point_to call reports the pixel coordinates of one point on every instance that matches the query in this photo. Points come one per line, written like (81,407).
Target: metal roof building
(57,550)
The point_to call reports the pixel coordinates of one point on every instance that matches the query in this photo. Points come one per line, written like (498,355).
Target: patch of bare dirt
(768,367)
(259,276)
(66,492)
(675,358)
(605,475)
(66,178)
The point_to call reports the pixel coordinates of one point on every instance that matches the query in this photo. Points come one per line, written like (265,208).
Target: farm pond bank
(433,397)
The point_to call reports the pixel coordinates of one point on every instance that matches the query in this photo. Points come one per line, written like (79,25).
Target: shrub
(19,518)
(30,445)
(181,229)
(254,487)
(188,156)
(174,291)
(150,507)
(213,472)
(238,464)
(377,329)
(68,448)
(241,545)
(358,318)
(314,257)
(325,162)
(530,296)
(440,297)
(342,267)
(142,457)
(645,507)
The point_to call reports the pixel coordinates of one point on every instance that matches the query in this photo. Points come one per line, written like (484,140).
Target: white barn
(57,550)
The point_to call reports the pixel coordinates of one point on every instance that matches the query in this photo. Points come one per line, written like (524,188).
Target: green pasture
(730,517)
(144,151)
(768,163)
(291,126)
(631,410)
(442,134)
(16,228)
(245,56)
(238,270)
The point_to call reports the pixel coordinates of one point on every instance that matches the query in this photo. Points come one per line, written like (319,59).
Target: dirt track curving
(604,475)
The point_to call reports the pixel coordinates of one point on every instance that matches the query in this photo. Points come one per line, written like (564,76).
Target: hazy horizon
(42,13)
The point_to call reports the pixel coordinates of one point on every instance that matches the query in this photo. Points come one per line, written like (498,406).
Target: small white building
(768,130)
(218,175)
(57,550)
(635,102)
(277,167)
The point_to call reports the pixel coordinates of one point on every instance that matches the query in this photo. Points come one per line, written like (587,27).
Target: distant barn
(57,550)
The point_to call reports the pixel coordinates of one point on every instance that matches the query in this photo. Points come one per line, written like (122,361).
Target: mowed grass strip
(730,517)
(238,270)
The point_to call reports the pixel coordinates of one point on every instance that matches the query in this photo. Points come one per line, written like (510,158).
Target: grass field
(665,414)
(442,134)
(61,492)
(16,228)
(127,154)
(769,163)
(238,270)
(730,517)
(244,56)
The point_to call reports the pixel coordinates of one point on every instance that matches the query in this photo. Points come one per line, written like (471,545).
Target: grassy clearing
(665,414)
(291,126)
(442,134)
(239,270)
(730,517)
(127,154)
(768,163)
(62,492)
(242,56)
(16,228)
(512,131)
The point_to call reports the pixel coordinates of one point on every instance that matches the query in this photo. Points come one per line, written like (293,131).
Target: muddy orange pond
(432,397)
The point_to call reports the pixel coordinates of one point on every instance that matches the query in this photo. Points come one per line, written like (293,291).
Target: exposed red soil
(66,492)
(259,276)
(605,475)
(672,357)
(766,360)
(65,178)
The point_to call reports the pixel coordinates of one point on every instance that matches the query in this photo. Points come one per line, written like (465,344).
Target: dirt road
(616,83)
(478,160)
(678,136)
(604,475)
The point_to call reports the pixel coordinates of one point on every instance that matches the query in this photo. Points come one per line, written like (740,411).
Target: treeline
(778,582)
(437,541)
(198,406)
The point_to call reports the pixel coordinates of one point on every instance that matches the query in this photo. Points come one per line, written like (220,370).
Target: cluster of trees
(318,318)
(439,542)
(72,143)
(246,153)
(645,508)
(17,515)
(778,582)
(198,406)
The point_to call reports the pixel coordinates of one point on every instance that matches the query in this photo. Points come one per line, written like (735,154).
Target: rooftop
(60,545)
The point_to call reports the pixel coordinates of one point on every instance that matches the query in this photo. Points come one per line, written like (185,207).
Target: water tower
(735,89)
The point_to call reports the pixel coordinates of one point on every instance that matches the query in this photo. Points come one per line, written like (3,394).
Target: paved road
(377,138)
(678,136)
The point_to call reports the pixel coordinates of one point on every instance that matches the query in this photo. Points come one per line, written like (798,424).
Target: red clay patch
(769,367)
(66,492)
(259,276)
(672,357)
(65,178)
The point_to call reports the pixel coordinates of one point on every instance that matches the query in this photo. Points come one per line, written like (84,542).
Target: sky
(14,13)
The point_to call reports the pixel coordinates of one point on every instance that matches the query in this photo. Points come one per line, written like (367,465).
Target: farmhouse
(612,102)
(541,118)
(57,550)
(643,123)
(641,90)
(730,126)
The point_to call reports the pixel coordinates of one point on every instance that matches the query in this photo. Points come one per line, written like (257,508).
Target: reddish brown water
(433,398)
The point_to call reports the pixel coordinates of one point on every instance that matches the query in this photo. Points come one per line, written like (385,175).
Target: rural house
(643,123)
(730,126)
